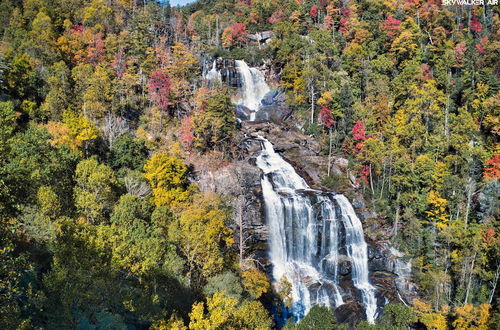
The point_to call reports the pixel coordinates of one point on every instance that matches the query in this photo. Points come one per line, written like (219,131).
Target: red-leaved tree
(358,131)
(475,26)
(186,133)
(390,26)
(492,168)
(235,34)
(159,90)
(314,11)
(326,117)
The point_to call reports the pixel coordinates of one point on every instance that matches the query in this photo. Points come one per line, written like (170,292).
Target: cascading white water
(358,252)
(214,75)
(304,237)
(253,87)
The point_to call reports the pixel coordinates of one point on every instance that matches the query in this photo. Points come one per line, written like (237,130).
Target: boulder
(351,312)
(345,268)
(273,97)
(274,113)
(261,37)
(242,112)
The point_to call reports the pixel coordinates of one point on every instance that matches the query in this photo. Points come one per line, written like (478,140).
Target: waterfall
(213,75)
(253,87)
(358,252)
(304,237)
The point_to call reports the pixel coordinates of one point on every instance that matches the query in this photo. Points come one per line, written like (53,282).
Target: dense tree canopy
(102,109)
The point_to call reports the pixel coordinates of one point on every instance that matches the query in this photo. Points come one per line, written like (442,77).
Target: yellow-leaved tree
(225,312)
(431,319)
(202,235)
(167,176)
(255,282)
(437,214)
(471,317)
(74,131)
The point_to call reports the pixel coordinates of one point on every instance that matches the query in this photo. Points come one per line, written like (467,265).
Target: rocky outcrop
(390,270)
(302,151)
(273,108)
(240,181)
(261,37)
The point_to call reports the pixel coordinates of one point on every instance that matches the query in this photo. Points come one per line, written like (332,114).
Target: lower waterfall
(304,226)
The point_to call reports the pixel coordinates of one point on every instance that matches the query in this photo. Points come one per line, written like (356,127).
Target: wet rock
(274,113)
(345,268)
(391,271)
(376,265)
(273,97)
(242,112)
(284,147)
(371,252)
(351,313)
(358,202)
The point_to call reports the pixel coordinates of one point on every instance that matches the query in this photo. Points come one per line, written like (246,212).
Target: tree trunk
(217,31)
(492,294)
(330,151)
(312,103)
(470,190)
(396,218)
(446,112)
(470,278)
(242,248)
(371,181)
(383,180)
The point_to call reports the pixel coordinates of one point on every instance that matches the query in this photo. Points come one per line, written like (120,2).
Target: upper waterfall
(304,228)
(253,87)
(251,83)
(213,74)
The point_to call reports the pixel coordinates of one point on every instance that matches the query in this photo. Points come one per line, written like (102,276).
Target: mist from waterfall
(304,238)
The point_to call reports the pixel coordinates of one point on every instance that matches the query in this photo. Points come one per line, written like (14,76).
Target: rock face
(298,149)
(226,67)
(261,37)
(273,108)
(390,271)
(242,112)
(240,180)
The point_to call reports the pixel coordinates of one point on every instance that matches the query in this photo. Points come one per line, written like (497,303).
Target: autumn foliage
(235,34)
(492,168)
(159,90)
(326,117)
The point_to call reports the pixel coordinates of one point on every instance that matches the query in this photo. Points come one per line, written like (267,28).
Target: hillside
(161,167)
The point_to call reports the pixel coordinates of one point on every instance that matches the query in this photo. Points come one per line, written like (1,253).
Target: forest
(106,119)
